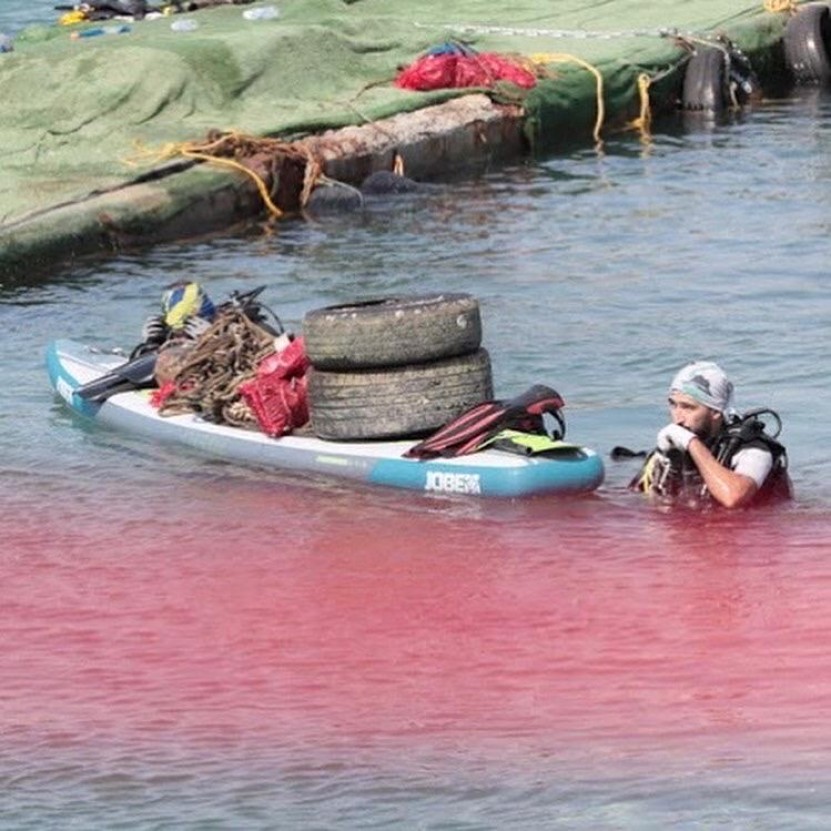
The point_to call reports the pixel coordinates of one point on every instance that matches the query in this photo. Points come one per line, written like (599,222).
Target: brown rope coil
(223,357)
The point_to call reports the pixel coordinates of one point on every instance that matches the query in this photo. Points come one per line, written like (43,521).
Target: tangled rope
(231,149)
(225,355)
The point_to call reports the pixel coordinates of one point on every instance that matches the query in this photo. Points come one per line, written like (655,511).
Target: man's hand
(674,436)
(196,326)
(153,330)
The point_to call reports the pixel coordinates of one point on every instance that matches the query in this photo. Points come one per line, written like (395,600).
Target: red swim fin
(461,430)
(475,427)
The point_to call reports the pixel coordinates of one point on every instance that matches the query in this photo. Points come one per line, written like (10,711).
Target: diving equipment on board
(180,304)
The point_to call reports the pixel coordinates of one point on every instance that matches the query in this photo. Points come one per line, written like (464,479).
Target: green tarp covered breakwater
(90,124)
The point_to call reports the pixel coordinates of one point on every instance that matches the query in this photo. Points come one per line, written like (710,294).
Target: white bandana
(706,383)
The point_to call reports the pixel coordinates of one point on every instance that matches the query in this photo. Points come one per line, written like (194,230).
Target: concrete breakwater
(162,134)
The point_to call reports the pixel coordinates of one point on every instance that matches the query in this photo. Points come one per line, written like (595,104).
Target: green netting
(77,112)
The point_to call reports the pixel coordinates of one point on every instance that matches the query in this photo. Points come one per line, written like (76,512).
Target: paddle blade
(134,375)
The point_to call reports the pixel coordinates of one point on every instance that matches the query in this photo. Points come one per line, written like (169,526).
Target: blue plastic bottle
(101,30)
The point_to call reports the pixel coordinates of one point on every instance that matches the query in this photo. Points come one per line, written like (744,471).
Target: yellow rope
(776,6)
(643,122)
(261,185)
(220,149)
(73,17)
(558,57)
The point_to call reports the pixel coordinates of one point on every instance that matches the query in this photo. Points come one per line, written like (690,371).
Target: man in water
(708,450)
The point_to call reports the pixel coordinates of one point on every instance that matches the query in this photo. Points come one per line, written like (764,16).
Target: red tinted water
(302,615)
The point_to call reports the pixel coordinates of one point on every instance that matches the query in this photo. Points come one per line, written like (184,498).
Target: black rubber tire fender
(397,402)
(807,43)
(392,331)
(705,81)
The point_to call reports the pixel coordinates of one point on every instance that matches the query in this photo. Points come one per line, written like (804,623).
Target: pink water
(189,645)
(583,633)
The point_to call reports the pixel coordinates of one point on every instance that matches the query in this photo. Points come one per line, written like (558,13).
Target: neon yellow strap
(535,442)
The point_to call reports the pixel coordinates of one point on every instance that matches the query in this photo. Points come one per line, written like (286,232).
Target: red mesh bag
(456,71)
(500,68)
(161,394)
(429,72)
(277,395)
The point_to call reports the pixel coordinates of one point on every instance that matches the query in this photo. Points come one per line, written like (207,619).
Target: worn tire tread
(704,82)
(397,402)
(392,331)
(806,41)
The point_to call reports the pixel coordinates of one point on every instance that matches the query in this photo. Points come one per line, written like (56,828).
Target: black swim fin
(134,375)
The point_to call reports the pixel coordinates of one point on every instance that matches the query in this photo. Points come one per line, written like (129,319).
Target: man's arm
(728,487)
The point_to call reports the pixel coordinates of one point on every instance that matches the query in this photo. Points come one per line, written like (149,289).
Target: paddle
(134,375)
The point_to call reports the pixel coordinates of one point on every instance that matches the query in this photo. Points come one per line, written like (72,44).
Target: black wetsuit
(674,476)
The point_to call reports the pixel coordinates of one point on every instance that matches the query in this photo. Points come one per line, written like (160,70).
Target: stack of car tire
(394,367)
(719,77)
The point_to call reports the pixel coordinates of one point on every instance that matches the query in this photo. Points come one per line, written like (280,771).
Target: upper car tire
(396,402)
(806,41)
(392,331)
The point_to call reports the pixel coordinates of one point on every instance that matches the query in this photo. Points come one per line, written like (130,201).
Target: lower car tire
(807,42)
(397,402)
(392,331)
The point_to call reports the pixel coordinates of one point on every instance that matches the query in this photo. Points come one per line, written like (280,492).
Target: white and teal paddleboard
(571,469)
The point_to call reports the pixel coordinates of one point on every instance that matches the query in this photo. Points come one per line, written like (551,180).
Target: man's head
(699,396)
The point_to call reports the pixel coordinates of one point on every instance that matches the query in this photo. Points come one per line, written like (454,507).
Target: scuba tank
(749,430)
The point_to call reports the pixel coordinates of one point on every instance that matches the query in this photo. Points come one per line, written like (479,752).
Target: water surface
(188,644)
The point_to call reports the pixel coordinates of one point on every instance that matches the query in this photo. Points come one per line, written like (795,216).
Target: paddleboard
(488,473)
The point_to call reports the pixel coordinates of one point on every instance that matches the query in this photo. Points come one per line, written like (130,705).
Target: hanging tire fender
(705,81)
(718,78)
(807,43)
(392,331)
(396,402)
